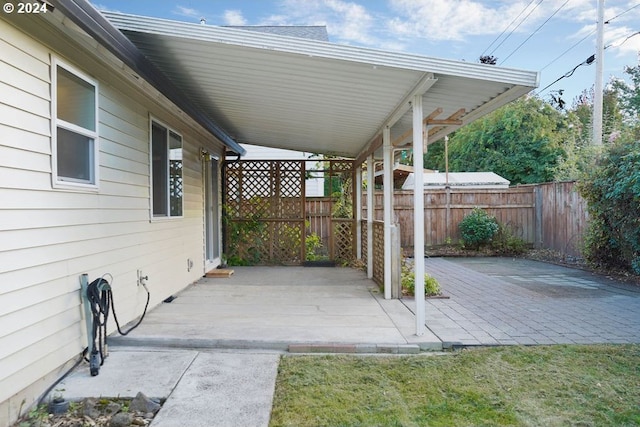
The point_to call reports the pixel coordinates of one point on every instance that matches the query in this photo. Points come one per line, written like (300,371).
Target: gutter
(85,16)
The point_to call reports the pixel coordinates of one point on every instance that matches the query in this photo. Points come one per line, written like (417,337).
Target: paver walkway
(497,301)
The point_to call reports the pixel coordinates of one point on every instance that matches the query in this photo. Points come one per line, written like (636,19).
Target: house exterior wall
(50,236)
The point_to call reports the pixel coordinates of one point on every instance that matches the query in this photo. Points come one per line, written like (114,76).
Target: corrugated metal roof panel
(315,32)
(310,95)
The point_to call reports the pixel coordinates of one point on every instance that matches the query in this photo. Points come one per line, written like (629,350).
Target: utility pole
(597,96)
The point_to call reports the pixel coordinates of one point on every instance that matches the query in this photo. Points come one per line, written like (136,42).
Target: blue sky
(551,36)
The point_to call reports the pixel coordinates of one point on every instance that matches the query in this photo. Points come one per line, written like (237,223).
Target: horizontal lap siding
(48,237)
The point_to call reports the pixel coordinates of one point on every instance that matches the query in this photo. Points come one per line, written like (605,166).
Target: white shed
(466,180)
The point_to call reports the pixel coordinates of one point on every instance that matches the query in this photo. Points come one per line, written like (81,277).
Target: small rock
(89,408)
(122,419)
(141,403)
(112,408)
(137,421)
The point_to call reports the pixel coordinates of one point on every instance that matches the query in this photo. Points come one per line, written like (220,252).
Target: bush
(408,282)
(312,243)
(506,243)
(613,195)
(478,228)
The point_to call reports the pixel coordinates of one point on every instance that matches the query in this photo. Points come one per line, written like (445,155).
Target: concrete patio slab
(275,307)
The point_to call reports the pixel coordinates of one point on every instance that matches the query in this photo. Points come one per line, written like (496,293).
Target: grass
(529,386)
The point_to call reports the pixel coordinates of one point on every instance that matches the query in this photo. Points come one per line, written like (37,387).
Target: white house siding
(49,237)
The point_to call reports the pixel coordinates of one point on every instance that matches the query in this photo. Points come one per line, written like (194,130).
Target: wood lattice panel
(363,240)
(343,244)
(378,252)
(264,211)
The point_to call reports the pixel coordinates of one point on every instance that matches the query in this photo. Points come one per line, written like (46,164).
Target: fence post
(538,216)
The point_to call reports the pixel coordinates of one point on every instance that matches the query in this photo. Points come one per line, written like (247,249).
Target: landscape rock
(122,419)
(143,404)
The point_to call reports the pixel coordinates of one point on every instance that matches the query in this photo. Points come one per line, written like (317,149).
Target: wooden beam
(435,113)
(430,120)
(373,146)
(444,122)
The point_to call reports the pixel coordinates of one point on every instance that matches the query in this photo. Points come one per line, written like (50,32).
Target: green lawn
(536,386)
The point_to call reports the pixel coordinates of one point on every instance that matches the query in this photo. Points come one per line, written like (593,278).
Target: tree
(521,141)
(630,94)
(488,59)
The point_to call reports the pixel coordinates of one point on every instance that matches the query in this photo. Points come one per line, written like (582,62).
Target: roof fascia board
(93,23)
(314,48)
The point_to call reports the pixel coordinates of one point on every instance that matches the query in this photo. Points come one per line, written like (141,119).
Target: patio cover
(316,96)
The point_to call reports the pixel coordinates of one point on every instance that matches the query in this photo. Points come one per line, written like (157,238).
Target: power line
(590,34)
(624,41)
(566,51)
(507,27)
(516,27)
(621,13)
(587,61)
(591,59)
(532,34)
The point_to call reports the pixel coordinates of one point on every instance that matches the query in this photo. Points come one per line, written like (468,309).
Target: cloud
(442,20)
(187,11)
(347,21)
(104,8)
(233,17)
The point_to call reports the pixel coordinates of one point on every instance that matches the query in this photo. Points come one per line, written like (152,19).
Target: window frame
(169,130)
(56,123)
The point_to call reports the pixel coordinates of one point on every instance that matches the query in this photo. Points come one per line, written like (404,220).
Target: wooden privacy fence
(550,215)
(562,217)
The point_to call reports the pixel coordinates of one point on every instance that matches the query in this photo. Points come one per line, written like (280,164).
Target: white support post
(358,212)
(418,212)
(371,187)
(388,207)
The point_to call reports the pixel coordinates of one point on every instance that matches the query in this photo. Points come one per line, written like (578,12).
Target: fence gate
(264,212)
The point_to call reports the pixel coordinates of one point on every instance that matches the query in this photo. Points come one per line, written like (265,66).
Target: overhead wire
(536,30)
(621,13)
(624,41)
(507,27)
(516,27)
(589,60)
(569,49)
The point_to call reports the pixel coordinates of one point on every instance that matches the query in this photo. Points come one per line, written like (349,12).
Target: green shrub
(408,282)
(612,191)
(478,228)
(312,244)
(505,242)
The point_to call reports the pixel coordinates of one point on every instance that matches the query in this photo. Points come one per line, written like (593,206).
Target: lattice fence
(265,210)
(343,240)
(378,252)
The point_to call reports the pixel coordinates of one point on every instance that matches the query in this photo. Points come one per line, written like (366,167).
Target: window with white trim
(166,171)
(75,152)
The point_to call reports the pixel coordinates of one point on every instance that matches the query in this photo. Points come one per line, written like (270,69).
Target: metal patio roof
(310,95)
